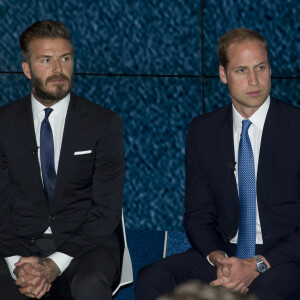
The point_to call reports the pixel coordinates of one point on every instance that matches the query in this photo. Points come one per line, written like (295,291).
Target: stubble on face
(50,97)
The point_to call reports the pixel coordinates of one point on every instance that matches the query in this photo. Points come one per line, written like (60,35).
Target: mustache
(57,77)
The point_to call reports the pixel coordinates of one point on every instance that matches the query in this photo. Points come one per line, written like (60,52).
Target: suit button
(33,240)
(51,218)
(267,236)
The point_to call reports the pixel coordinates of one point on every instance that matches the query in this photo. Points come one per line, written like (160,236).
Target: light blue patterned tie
(47,158)
(247,196)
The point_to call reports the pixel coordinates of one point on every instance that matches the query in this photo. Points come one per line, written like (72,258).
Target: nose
(252,79)
(57,67)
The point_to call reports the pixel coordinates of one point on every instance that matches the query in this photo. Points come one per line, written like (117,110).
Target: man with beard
(61,181)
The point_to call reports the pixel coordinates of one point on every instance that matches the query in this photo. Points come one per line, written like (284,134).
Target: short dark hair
(238,35)
(43,29)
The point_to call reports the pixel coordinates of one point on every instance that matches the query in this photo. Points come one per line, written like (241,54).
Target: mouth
(254,93)
(57,79)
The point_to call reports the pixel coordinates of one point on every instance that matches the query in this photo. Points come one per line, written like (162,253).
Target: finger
(27,280)
(227,260)
(34,282)
(26,260)
(29,296)
(23,279)
(220,260)
(33,290)
(226,271)
(219,272)
(43,291)
(243,290)
(217,282)
(26,291)
(232,285)
(28,268)
(240,288)
(39,288)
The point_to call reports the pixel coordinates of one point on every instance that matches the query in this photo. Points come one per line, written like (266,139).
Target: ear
(26,69)
(222,74)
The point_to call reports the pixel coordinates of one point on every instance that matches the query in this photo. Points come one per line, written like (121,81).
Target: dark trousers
(89,276)
(278,283)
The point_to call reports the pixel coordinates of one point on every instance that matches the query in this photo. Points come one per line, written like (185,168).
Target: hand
(241,271)
(38,286)
(30,281)
(223,273)
(222,269)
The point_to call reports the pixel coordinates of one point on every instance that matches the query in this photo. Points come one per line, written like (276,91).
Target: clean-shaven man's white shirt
(57,121)
(255,134)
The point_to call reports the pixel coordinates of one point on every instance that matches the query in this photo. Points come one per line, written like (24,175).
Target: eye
(241,70)
(45,60)
(65,59)
(261,68)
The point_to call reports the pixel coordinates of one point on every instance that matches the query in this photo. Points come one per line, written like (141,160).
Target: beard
(40,92)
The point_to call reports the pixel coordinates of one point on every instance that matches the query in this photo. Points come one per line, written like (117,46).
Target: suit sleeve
(107,193)
(200,214)
(9,242)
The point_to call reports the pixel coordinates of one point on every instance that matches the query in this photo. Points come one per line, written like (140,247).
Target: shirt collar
(59,107)
(258,118)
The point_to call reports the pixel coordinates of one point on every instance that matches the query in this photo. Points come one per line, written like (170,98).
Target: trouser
(278,283)
(89,276)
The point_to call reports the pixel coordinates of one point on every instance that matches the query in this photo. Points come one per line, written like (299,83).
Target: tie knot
(246,124)
(48,111)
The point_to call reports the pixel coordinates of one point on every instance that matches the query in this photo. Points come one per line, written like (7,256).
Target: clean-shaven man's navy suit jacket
(89,187)
(212,204)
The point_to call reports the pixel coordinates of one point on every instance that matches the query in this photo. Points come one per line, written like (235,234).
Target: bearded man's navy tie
(247,196)
(47,158)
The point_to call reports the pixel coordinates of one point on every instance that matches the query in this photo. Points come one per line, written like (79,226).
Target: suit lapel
(26,135)
(226,141)
(268,142)
(227,153)
(71,131)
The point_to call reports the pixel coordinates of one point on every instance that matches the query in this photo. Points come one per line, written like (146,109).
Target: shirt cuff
(62,260)
(207,258)
(10,261)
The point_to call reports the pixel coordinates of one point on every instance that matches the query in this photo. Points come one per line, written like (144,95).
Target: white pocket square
(82,152)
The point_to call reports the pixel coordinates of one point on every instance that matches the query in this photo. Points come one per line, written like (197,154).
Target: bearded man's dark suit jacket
(212,205)
(89,188)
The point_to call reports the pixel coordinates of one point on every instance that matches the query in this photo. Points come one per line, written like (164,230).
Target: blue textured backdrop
(142,58)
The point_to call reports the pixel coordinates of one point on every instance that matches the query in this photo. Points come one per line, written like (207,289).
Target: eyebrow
(49,56)
(261,63)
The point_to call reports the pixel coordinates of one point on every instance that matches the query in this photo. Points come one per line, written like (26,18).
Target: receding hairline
(245,42)
(238,36)
(48,38)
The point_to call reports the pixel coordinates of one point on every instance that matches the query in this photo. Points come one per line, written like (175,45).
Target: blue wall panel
(156,113)
(12,87)
(113,36)
(277,21)
(156,46)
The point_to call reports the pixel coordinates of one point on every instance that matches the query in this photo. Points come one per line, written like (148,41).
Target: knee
(90,283)
(154,277)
